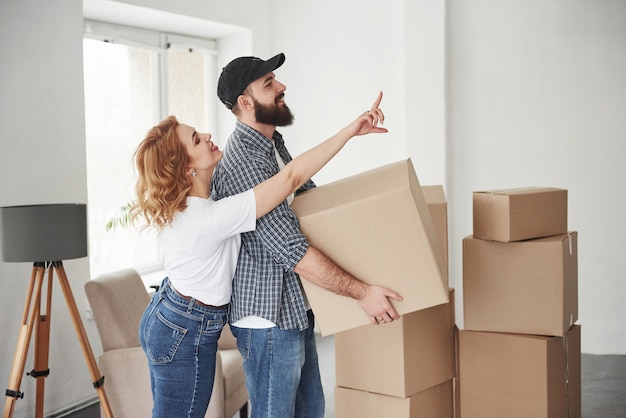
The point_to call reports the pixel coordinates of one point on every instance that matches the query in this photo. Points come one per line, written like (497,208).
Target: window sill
(153,278)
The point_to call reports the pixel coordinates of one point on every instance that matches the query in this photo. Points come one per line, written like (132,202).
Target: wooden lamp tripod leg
(97,378)
(23,341)
(42,348)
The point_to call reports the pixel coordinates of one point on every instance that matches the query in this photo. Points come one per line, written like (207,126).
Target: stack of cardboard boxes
(519,352)
(386,229)
(406,368)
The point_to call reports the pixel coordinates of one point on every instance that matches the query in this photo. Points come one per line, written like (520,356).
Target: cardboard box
(519,214)
(438,208)
(515,375)
(377,226)
(435,402)
(527,287)
(399,359)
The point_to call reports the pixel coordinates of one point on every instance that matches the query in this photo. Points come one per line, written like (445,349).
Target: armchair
(117,301)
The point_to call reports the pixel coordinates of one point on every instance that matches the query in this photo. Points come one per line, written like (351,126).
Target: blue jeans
(180,340)
(282,371)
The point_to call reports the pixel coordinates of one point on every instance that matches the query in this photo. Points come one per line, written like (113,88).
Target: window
(133,79)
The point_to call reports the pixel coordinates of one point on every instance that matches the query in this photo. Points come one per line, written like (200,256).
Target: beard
(272,114)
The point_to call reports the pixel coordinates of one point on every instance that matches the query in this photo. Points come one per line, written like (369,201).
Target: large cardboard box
(438,208)
(515,375)
(401,358)
(435,402)
(528,287)
(519,214)
(377,226)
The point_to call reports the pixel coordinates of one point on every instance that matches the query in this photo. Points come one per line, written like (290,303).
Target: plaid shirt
(264,284)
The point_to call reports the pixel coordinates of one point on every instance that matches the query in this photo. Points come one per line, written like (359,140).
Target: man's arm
(319,269)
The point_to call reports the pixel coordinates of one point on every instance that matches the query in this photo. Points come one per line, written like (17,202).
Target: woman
(200,241)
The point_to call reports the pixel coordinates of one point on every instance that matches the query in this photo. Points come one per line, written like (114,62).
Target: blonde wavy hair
(161,160)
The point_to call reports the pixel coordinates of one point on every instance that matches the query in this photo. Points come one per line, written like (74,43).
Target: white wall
(537,97)
(340,54)
(335,66)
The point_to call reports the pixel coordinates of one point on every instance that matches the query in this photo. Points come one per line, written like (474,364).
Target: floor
(603,384)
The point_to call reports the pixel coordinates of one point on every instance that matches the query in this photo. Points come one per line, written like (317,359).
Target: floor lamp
(45,235)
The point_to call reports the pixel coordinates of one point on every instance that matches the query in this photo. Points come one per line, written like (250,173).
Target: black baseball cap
(242,71)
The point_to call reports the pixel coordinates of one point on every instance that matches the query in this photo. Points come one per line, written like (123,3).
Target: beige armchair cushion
(127,382)
(234,383)
(117,301)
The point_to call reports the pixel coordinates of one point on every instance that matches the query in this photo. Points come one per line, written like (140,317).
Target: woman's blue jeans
(282,372)
(180,340)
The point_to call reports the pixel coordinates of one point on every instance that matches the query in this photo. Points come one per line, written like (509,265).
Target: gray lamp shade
(43,232)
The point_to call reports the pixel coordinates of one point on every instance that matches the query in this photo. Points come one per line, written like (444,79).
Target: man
(269,313)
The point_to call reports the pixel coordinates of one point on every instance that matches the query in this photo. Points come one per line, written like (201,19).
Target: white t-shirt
(201,245)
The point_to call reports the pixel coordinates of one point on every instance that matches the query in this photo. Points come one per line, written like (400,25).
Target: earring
(193,172)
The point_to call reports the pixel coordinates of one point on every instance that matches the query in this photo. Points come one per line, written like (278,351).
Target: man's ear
(245,101)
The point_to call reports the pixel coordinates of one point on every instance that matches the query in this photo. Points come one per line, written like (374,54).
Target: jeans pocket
(163,339)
